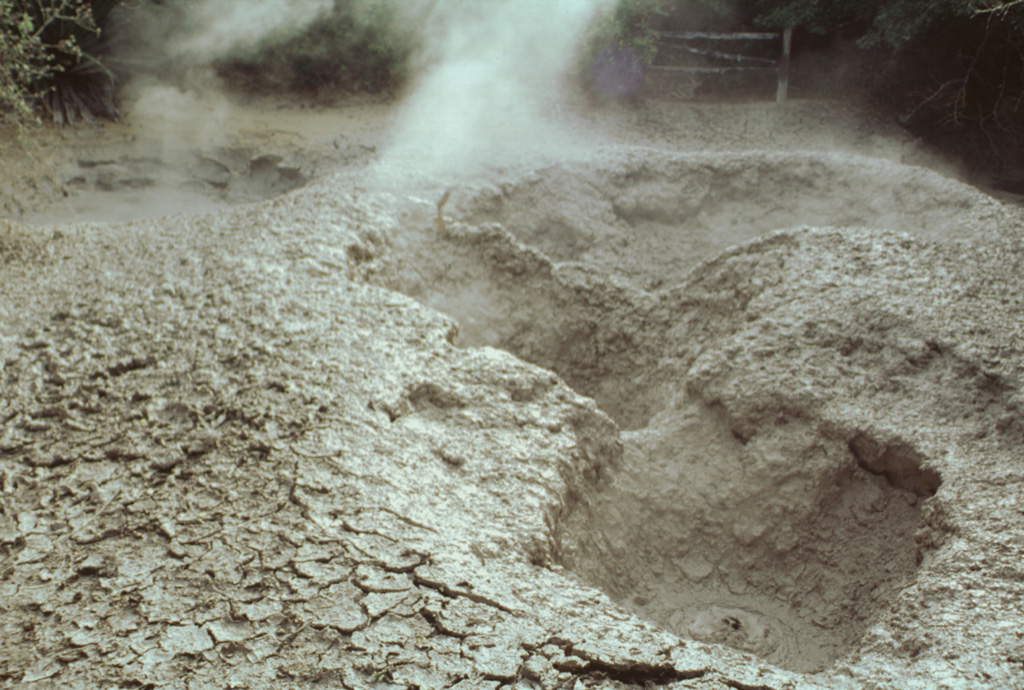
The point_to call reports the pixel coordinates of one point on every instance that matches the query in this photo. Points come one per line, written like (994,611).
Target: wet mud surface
(644,416)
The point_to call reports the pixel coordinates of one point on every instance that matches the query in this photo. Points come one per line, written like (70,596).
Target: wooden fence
(728,62)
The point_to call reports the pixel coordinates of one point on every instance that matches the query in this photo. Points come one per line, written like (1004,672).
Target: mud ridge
(822,496)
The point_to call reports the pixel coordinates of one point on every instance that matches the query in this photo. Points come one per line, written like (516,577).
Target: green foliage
(954,68)
(815,16)
(48,58)
(357,46)
(889,23)
(23,62)
(618,46)
(900,22)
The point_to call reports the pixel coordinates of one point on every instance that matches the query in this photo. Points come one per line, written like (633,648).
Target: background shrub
(953,70)
(49,60)
(23,63)
(357,46)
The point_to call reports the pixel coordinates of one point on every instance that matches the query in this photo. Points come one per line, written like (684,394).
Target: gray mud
(787,535)
(619,421)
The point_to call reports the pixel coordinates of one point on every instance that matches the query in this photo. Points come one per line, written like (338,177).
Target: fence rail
(749,63)
(729,56)
(694,35)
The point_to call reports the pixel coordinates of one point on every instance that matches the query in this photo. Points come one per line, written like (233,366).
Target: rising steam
(173,91)
(215,28)
(485,81)
(488,82)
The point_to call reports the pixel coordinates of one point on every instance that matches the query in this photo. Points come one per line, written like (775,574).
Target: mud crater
(127,180)
(230,173)
(577,266)
(781,541)
(785,546)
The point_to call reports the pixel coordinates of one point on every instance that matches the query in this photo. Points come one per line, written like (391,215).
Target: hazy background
(484,81)
(487,84)
(215,28)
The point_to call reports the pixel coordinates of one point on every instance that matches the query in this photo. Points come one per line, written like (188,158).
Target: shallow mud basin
(145,179)
(753,523)
(782,545)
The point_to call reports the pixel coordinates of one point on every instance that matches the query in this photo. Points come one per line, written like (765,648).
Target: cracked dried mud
(718,396)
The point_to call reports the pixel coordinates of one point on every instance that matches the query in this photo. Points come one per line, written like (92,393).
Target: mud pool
(652,416)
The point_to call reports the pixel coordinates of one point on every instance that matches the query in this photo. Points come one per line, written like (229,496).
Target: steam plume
(217,27)
(485,83)
(490,75)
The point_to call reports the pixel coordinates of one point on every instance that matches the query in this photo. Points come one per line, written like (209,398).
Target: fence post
(783,89)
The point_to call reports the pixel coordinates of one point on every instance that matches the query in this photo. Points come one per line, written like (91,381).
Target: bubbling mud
(139,181)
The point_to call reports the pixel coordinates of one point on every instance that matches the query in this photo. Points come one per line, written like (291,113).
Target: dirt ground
(176,152)
(681,395)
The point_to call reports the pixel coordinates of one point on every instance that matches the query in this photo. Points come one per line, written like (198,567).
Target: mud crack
(421,581)
(630,673)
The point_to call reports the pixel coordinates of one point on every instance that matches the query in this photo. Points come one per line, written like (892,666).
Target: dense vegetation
(356,46)
(953,69)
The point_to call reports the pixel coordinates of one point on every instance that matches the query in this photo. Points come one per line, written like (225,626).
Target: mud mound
(171,472)
(653,216)
(573,267)
(774,496)
(231,453)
